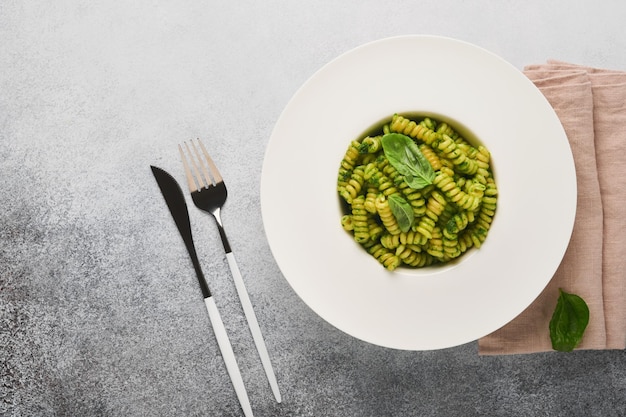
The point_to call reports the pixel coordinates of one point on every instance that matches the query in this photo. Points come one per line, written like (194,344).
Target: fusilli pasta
(451,214)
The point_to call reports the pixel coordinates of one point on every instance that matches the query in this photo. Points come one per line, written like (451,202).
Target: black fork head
(211,197)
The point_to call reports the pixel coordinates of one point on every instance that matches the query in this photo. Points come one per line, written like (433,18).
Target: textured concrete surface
(100,313)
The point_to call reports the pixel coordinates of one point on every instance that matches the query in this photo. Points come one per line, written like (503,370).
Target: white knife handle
(253,324)
(228,355)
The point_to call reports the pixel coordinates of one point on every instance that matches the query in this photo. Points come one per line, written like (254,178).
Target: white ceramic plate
(429,308)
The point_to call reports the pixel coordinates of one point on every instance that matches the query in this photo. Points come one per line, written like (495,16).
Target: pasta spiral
(436,205)
(422,131)
(431,156)
(350,159)
(360,224)
(370,144)
(386,216)
(383,255)
(452,191)
(352,188)
(370,199)
(449,149)
(378,179)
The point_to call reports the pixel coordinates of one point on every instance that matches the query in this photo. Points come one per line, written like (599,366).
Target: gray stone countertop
(100,312)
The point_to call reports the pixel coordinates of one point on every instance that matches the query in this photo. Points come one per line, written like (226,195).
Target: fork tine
(202,182)
(190,179)
(214,171)
(205,172)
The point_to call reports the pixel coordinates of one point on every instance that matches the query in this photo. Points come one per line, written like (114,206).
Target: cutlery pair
(208,192)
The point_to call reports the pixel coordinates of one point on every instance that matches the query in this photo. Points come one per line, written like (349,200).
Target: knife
(175,200)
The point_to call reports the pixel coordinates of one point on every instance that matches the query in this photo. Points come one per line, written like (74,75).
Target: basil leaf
(568,323)
(402,211)
(404,155)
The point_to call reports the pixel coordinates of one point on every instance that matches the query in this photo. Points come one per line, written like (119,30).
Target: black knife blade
(175,200)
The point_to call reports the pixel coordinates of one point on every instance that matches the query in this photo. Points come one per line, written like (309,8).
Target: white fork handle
(253,324)
(228,355)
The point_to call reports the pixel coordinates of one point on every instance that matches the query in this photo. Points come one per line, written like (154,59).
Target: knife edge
(175,200)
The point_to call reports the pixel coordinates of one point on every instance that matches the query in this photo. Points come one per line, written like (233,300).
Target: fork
(208,192)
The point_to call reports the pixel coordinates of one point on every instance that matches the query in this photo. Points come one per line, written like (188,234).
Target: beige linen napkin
(591,104)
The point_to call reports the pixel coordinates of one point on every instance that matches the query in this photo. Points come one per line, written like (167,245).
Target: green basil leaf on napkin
(404,155)
(402,211)
(569,321)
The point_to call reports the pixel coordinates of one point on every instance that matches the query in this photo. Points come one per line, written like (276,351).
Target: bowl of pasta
(418,192)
